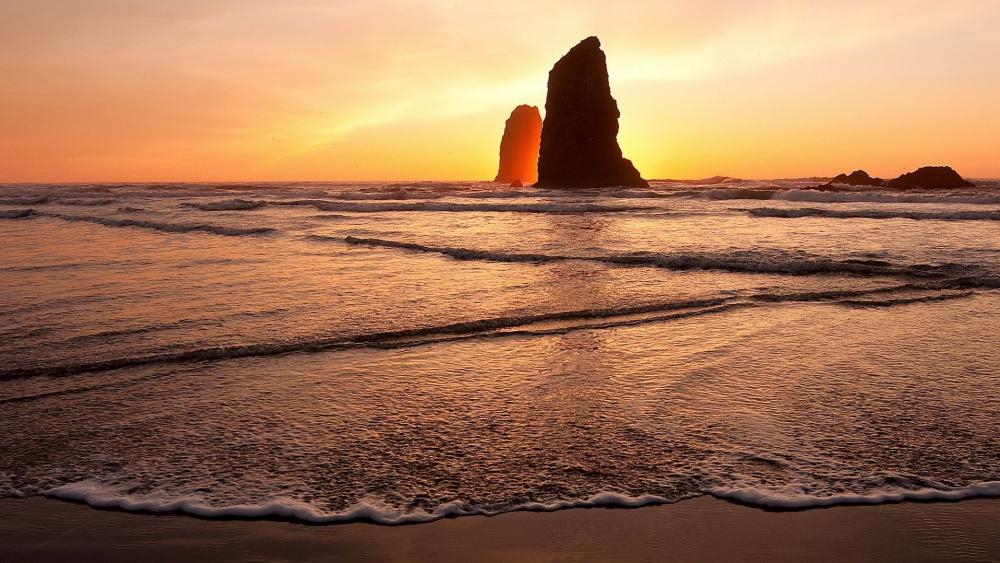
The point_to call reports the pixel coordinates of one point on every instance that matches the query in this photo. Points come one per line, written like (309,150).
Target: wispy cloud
(226,81)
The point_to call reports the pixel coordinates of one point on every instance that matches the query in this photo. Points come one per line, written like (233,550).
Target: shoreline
(288,511)
(699,529)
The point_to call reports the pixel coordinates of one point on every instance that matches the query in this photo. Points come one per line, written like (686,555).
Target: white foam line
(98,496)
(793,498)
(830,196)
(875,214)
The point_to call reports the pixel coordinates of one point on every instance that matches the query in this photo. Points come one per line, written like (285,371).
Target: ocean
(398,353)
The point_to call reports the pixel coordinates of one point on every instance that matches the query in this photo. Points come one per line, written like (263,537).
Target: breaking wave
(875,214)
(25,200)
(379,207)
(163,227)
(740,193)
(499,194)
(229,205)
(42,200)
(16,213)
(86,202)
(833,196)
(882,197)
(640,194)
(735,261)
(880,303)
(385,195)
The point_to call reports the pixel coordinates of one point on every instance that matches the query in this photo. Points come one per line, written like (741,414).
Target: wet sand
(701,529)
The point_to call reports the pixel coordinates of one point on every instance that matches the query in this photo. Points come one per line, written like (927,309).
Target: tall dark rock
(522,136)
(580,133)
(932,177)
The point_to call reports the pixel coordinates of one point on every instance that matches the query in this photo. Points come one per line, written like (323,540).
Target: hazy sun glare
(241,90)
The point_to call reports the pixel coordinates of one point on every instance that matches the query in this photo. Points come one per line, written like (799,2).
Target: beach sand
(701,529)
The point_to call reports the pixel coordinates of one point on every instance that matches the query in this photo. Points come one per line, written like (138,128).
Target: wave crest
(16,213)
(228,205)
(735,261)
(152,225)
(875,214)
(447,207)
(839,196)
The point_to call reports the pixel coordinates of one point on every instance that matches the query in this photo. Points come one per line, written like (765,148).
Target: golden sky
(231,90)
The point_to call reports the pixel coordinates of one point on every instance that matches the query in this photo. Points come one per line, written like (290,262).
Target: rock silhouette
(522,136)
(931,177)
(857,178)
(579,147)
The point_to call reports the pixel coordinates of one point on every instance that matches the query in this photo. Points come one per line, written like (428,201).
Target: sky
(241,90)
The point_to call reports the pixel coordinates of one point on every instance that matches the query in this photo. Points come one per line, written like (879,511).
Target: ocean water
(399,353)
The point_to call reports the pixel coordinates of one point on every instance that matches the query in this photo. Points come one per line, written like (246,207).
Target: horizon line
(411,180)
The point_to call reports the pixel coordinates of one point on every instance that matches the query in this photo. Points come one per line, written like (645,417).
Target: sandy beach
(701,529)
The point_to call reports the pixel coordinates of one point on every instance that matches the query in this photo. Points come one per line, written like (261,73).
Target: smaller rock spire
(522,136)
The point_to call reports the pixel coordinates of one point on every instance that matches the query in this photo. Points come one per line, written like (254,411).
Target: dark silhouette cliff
(930,177)
(857,178)
(579,147)
(522,136)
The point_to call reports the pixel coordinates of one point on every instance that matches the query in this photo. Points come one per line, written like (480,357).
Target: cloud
(91,80)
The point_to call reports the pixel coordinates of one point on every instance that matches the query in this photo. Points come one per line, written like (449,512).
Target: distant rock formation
(930,177)
(856,178)
(522,135)
(579,146)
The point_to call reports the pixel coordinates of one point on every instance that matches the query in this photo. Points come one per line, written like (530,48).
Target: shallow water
(398,353)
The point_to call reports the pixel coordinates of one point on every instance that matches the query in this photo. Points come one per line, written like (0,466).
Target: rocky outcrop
(579,147)
(930,177)
(522,136)
(856,178)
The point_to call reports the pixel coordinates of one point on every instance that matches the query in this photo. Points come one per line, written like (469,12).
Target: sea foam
(793,497)
(96,495)
(875,214)
(834,196)
(284,508)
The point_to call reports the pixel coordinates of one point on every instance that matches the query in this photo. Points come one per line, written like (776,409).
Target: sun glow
(229,90)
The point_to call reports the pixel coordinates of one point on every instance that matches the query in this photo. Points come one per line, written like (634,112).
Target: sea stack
(856,178)
(930,177)
(579,147)
(522,136)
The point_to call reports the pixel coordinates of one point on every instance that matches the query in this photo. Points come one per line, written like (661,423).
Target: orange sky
(131,90)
